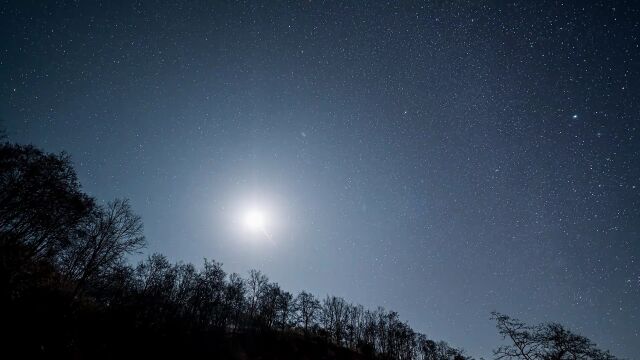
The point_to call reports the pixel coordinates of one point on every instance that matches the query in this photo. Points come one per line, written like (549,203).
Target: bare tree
(186,281)
(235,299)
(284,310)
(308,308)
(256,287)
(156,277)
(41,204)
(355,325)
(334,315)
(268,305)
(370,331)
(209,295)
(155,281)
(111,233)
(543,342)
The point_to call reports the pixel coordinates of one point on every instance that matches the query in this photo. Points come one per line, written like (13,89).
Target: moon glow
(256,220)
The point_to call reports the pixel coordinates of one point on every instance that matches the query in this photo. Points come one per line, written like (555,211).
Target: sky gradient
(441,159)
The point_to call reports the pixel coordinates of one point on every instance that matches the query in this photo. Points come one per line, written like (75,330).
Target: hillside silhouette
(68,291)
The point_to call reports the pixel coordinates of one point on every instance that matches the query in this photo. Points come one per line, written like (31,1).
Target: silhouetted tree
(186,281)
(104,239)
(235,299)
(155,285)
(369,331)
(355,325)
(334,317)
(307,307)
(41,204)
(284,310)
(209,295)
(427,349)
(41,210)
(268,305)
(256,287)
(543,342)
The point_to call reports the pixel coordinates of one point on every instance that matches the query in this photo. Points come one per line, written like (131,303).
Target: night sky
(441,159)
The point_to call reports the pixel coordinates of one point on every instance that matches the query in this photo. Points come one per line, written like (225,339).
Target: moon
(256,221)
(255,218)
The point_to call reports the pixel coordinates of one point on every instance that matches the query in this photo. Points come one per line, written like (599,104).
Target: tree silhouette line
(67,290)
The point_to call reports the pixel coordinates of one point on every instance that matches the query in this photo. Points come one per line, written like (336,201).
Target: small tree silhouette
(543,342)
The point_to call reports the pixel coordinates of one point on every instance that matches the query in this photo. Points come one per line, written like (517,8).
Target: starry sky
(441,159)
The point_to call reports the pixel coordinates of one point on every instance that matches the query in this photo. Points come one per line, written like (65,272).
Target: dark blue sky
(440,159)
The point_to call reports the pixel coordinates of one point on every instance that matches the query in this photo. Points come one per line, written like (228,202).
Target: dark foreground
(42,325)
